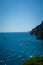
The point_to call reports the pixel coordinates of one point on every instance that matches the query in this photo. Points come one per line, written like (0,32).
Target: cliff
(38,31)
(33,61)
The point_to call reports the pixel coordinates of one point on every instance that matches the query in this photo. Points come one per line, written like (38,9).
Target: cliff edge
(38,31)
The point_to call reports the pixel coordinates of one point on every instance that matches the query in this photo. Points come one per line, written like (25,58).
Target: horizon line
(14,32)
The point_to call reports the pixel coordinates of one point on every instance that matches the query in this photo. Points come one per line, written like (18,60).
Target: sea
(16,47)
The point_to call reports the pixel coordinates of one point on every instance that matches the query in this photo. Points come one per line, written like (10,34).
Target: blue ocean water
(17,47)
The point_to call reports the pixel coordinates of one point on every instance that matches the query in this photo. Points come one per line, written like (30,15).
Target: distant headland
(38,31)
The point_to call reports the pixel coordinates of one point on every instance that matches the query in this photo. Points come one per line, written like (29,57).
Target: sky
(20,15)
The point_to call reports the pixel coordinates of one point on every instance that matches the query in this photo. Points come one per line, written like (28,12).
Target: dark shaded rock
(38,31)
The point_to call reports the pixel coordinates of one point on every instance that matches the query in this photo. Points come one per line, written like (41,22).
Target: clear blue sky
(20,15)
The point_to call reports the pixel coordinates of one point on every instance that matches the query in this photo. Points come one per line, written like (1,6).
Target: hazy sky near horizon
(20,15)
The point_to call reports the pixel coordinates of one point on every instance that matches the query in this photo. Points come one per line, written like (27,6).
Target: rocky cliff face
(38,31)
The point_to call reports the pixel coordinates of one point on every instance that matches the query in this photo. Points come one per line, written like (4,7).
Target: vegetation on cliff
(34,61)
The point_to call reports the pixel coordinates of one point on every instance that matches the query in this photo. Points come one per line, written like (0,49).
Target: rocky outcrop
(38,31)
